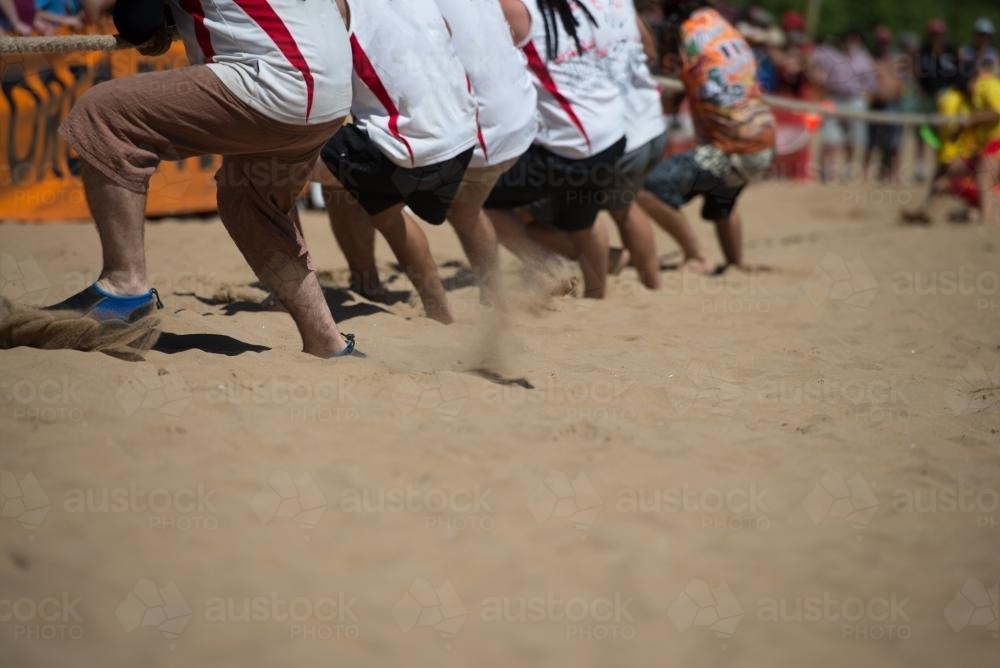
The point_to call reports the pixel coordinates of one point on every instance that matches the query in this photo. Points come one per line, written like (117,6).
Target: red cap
(793,21)
(936,27)
(883,35)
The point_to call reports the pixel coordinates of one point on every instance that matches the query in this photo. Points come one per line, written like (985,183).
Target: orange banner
(38,180)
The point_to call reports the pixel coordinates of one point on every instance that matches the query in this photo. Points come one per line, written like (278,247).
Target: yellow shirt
(956,141)
(986,97)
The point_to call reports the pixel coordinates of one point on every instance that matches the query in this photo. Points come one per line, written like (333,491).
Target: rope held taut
(76,43)
(64,44)
(883,117)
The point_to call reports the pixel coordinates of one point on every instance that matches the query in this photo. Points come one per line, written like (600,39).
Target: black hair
(680,10)
(553,10)
(675,13)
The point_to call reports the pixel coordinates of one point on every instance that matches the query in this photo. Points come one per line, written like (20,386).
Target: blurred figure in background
(885,138)
(938,61)
(969,154)
(844,74)
(791,59)
(956,147)
(986,124)
(765,39)
(51,15)
(936,68)
(16,16)
(914,99)
(981,51)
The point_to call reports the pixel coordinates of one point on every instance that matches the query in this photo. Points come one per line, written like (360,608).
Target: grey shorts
(719,177)
(632,170)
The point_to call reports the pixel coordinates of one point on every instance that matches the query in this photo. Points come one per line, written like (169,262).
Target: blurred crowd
(40,17)
(876,70)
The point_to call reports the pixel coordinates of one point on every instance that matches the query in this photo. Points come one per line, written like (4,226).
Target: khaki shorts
(125,127)
(480,181)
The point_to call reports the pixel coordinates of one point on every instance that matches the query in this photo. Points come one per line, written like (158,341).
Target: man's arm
(518,18)
(9,9)
(648,42)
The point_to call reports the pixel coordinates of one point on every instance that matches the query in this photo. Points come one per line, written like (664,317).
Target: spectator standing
(792,57)
(914,99)
(938,61)
(844,74)
(937,67)
(885,138)
(981,52)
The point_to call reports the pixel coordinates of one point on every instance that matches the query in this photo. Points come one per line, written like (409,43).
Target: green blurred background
(900,15)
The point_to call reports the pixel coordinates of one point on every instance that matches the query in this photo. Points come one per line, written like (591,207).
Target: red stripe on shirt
(194,8)
(537,66)
(366,72)
(479,128)
(269,21)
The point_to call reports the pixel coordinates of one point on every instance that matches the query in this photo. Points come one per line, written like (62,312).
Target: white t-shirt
(581,108)
(644,119)
(505,95)
(411,94)
(287,59)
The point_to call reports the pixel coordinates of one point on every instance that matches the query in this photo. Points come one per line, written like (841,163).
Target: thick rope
(883,117)
(71,43)
(63,44)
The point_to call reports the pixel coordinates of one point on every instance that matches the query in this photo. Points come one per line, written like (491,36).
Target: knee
(663,190)
(95,106)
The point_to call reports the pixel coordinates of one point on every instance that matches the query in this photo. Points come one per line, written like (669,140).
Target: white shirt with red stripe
(581,107)
(287,59)
(644,119)
(411,94)
(506,101)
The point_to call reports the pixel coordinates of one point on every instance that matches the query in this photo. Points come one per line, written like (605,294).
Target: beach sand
(752,470)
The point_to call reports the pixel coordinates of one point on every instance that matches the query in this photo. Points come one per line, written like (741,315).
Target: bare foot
(915,216)
(697,265)
(439,312)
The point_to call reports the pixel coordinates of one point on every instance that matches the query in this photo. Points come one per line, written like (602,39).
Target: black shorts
(378,183)
(576,190)
(679,179)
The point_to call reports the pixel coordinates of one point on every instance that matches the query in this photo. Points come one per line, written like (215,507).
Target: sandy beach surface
(795,466)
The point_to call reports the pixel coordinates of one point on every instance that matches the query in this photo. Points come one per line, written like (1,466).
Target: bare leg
(592,246)
(409,244)
(584,246)
(355,232)
(355,235)
(479,241)
(260,223)
(637,236)
(675,223)
(299,291)
(120,215)
(986,181)
(554,240)
(730,233)
(512,232)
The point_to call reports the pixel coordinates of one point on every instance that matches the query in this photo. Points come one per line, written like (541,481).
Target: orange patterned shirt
(720,74)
